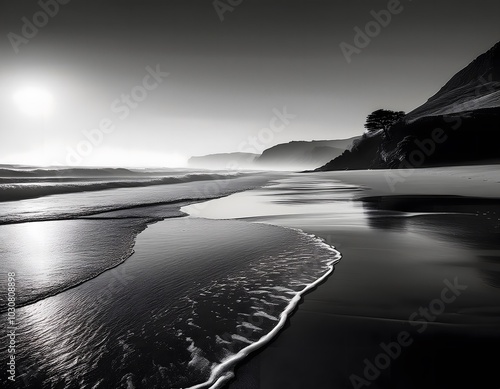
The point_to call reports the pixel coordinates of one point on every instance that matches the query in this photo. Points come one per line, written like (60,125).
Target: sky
(150,82)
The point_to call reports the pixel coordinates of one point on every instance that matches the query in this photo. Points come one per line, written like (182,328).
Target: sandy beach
(414,302)
(285,280)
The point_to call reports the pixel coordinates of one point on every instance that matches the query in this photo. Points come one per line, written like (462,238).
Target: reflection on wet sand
(471,223)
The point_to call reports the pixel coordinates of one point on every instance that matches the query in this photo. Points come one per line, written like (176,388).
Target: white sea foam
(266,315)
(241,339)
(197,358)
(219,340)
(258,291)
(250,326)
(223,372)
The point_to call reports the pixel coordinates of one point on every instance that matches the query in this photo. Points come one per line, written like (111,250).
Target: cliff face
(475,87)
(298,155)
(465,113)
(302,155)
(485,68)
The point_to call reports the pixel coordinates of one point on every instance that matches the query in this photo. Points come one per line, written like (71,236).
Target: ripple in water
(197,296)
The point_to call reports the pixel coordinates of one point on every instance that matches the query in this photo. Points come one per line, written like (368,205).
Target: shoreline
(144,222)
(223,373)
(177,272)
(398,251)
(396,248)
(481,181)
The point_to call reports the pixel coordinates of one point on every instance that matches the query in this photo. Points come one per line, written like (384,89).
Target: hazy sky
(227,79)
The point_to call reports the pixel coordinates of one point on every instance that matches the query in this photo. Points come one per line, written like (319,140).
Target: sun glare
(34,101)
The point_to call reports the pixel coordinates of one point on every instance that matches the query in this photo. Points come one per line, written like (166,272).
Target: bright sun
(34,100)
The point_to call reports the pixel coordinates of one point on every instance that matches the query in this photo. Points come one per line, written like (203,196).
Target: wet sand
(429,257)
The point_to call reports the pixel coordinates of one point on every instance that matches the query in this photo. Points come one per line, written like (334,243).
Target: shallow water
(195,297)
(195,293)
(59,241)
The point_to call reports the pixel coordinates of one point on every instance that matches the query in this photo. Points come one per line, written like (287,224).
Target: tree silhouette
(383,119)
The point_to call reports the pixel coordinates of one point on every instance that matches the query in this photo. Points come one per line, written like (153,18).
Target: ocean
(117,287)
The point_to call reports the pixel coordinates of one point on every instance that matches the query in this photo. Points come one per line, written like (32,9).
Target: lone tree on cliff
(383,119)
